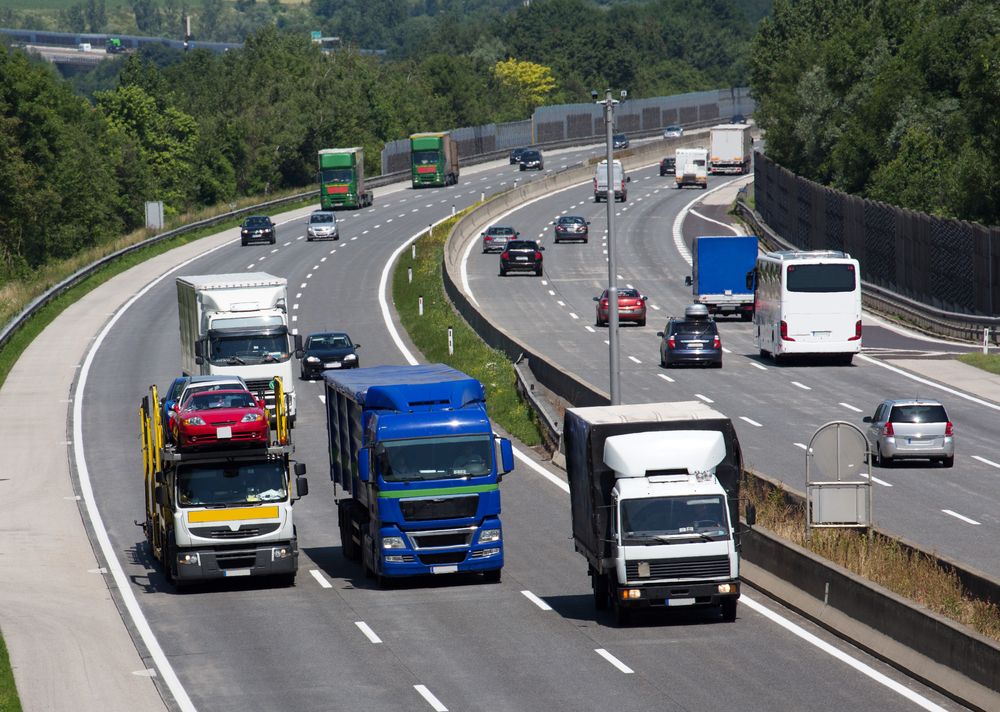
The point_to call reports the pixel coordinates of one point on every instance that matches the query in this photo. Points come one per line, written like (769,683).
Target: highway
(533,642)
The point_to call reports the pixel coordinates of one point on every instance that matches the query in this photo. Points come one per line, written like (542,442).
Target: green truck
(342,179)
(433,159)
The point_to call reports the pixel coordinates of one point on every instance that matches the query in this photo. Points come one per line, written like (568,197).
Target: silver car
(673,131)
(910,429)
(322,226)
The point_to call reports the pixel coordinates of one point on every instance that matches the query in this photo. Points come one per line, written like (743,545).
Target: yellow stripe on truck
(233,515)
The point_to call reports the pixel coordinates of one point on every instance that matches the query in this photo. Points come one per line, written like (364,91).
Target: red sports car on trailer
(220,418)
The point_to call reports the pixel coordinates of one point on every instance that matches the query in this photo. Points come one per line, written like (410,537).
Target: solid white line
(536,600)
(801,445)
(665,377)
(634,359)
(316,574)
(369,633)
(851,407)
(752,422)
(541,470)
(959,516)
(876,480)
(725,350)
(757,365)
(985,461)
(704,398)
(840,655)
(614,661)
(801,385)
(430,698)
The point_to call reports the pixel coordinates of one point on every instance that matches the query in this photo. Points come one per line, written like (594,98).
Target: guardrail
(948,645)
(916,315)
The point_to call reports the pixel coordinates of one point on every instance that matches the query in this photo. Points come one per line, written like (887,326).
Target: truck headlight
(351,357)
(280,552)
(251,418)
(727,588)
(194,420)
(393,542)
(489,535)
(630,594)
(189,559)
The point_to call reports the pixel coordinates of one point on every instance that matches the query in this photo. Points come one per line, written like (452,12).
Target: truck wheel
(170,559)
(729,609)
(600,586)
(492,576)
(347,545)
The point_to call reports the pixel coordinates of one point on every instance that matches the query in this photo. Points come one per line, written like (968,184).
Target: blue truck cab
(416,470)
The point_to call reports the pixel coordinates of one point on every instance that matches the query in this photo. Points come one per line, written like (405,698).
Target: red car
(631,307)
(228,417)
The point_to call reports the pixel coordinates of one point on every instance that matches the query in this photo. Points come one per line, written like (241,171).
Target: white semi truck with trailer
(654,492)
(730,147)
(237,324)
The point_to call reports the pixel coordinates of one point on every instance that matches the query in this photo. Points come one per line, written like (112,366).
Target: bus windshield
(821,278)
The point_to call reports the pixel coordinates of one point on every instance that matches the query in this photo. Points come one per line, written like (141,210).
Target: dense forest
(895,100)
(197,128)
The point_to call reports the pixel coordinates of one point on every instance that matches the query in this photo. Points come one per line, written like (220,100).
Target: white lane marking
(298,295)
(665,377)
(295,306)
(315,266)
(801,445)
(536,600)
(704,398)
(876,480)
(656,308)
(607,343)
(552,292)
(850,407)
(322,259)
(250,266)
(295,318)
(985,461)
(295,331)
(309,276)
(430,698)
(261,259)
(545,283)
(614,661)
(376,227)
(354,238)
(801,385)
(387,221)
(960,516)
(752,422)
(560,303)
(845,658)
(725,350)
(634,359)
(274,250)
(322,398)
(364,232)
(316,574)
(928,382)
(301,237)
(109,553)
(286,244)
(679,222)
(573,316)
(369,633)
(757,365)
(302,286)
(591,329)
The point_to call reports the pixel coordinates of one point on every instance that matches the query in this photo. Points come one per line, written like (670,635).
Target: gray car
(910,429)
(322,226)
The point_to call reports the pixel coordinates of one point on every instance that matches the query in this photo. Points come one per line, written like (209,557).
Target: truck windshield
(252,349)
(654,520)
(231,483)
(435,458)
(424,158)
(343,175)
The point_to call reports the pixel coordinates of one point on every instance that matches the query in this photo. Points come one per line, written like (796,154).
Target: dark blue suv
(691,340)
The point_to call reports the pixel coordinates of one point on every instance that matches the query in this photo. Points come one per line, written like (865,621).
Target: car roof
(911,401)
(323,212)
(217,378)
(257,218)
(497,228)
(571,218)
(522,244)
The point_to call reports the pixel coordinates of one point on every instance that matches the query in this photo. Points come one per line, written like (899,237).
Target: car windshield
(328,341)
(654,520)
(570,220)
(424,158)
(343,175)
(522,245)
(694,328)
(619,137)
(211,400)
(673,128)
(918,414)
(214,484)
(500,231)
(321,218)
(243,350)
(434,458)
(530,155)
(257,222)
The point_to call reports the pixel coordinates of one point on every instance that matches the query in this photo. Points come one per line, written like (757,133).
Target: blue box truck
(719,273)
(416,470)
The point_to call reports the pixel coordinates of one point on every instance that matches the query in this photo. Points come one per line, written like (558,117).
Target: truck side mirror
(300,469)
(750,278)
(199,352)
(364,464)
(297,340)
(687,281)
(161,496)
(301,487)
(751,515)
(506,456)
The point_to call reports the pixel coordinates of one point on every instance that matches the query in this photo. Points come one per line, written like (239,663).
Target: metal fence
(947,264)
(571,122)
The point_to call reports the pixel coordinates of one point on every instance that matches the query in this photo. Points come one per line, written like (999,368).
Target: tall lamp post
(613,350)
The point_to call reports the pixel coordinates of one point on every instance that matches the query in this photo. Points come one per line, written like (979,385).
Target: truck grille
(241,533)
(451,557)
(693,568)
(419,510)
(442,539)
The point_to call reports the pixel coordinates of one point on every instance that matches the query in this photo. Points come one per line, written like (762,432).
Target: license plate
(236,572)
(680,601)
(521,259)
(695,344)
(823,334)
(444,569)
(224,433)
(332,364)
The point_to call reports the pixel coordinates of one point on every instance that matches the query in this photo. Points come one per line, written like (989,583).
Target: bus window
(820,278)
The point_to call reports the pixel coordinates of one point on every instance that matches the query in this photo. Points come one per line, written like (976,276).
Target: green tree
(529,83)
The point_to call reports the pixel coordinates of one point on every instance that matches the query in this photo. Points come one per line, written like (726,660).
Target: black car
(531,159)
(738,119)
(693,339)
(571,227)
(619,141)
(521,256)
(668,166)
(257,228)
(333,349)
(515,155)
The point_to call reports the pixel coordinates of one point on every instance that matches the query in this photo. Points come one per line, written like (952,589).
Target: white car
(673,131)
(322,226)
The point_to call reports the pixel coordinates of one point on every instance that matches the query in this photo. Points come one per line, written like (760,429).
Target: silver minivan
(910,429)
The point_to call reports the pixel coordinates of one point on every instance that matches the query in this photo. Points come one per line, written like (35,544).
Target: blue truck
(720,265)
(416,470)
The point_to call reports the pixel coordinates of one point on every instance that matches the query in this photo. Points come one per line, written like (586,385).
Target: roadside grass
(9,701)
(877,558)
(987,362)
(472,356)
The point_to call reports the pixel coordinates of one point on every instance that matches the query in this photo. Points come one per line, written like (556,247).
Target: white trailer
(730,148)
(691,167)
(237,324)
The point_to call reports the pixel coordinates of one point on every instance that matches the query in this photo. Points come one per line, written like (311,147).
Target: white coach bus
(807,303)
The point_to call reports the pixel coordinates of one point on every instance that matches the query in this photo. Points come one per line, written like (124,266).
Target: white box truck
(237,324)
(691,167)
(620,181)
(730,146)
(654,493)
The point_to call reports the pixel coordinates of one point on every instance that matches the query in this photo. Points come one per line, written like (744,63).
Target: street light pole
(613,351)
